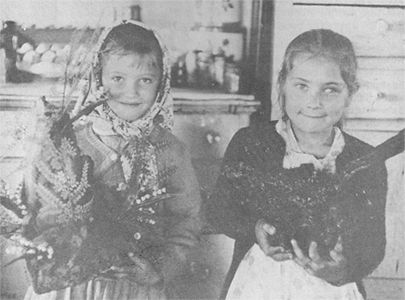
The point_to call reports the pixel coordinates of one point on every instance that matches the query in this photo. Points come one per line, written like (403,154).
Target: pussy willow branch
(84,64)
(88,109)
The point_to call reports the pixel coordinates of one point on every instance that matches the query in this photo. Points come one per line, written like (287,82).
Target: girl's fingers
(140,263)
(261,225)
(301,259)
(281,256)
(339,245)
(313,252)
(336,256)
(120,272)
(337,253)
(263,232)
(269,229)
(297,250)
(276,250)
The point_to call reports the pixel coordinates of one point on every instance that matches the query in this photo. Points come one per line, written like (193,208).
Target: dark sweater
(262,148)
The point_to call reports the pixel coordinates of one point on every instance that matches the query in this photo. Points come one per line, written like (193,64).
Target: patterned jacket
(162,231)
(175,172)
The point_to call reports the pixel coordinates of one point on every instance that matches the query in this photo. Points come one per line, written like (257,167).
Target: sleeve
(22,39)
(365,246)
(2,40)
(224,209)
(183,213)
(5,41)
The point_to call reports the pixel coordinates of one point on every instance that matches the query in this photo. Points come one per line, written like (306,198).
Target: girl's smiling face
(315,95)
(132,81)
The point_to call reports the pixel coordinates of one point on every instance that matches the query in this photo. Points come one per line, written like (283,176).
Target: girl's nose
(133,90)
(315,100)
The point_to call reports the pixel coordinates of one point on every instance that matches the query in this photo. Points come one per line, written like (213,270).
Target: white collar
(295,157)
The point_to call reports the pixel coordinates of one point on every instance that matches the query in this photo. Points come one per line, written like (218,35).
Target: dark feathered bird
(308,205)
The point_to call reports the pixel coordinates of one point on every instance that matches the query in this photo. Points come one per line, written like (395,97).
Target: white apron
(259,277)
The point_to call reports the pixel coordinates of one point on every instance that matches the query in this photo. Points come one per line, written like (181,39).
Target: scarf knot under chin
(128,130)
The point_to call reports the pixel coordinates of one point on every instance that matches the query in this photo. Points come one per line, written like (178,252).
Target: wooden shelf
(24,97)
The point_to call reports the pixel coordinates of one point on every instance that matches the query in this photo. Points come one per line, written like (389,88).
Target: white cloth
(261,278)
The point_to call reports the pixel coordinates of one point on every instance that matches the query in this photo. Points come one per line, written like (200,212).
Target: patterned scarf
(138,158)
(161,111)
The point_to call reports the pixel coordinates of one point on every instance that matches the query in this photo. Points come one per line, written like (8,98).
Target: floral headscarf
(139,155)
(160,112)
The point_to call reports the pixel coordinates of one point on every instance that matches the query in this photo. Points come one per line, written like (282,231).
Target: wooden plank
(373,31)
(393,263)
(386,127)
(385,3)
(383,83)
(384,289)
(381,63)
(367,105)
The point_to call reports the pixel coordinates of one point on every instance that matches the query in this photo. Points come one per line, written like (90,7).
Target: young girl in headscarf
(142,216)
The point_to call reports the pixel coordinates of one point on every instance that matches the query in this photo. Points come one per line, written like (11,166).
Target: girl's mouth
(131,104)
(314,116)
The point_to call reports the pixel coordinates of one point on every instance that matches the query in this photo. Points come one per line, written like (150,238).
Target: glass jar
(232,78)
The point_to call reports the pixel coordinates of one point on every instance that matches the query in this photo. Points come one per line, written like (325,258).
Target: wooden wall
(377,112)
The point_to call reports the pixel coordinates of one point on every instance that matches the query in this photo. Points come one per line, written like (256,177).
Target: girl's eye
(301,86)
(117,79)
(146,80)
(331,90)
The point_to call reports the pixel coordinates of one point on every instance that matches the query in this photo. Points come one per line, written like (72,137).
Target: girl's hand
(141,271)
(333,271)
(264,231)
